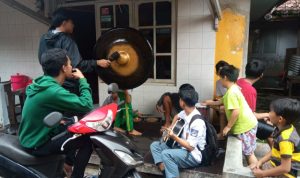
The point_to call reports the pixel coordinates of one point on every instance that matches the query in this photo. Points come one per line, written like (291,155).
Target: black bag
(264,130)
(210,152)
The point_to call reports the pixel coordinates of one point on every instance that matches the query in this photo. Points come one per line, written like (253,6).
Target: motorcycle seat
(11,148)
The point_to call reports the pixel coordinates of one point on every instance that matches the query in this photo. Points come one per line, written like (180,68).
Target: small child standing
(284,158)
(241,120)
(125,117)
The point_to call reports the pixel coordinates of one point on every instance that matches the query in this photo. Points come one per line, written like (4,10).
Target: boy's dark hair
(189,97)
(231,72)
(186,86)
(288,108)
(52,61)
(220,65)
(58,17)
(254,69)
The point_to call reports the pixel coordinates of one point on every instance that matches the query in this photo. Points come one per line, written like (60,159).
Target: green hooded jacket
(44,96)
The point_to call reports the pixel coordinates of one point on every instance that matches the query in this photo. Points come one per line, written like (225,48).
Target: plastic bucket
(19,82)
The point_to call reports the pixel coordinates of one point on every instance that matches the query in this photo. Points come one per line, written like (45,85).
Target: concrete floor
(151,133)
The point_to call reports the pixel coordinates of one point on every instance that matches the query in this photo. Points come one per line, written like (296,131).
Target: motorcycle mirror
(52,119)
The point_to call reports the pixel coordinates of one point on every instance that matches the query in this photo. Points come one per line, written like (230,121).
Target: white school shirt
(196,133)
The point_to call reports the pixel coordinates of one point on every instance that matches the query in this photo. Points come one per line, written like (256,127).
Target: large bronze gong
(131,55)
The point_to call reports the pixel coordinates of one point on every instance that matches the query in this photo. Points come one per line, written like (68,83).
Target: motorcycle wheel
(133,174)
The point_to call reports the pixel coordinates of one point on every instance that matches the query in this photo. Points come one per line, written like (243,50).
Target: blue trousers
(173,159)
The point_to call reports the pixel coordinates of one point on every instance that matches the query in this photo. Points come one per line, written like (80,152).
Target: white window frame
(133,22)
(111,3)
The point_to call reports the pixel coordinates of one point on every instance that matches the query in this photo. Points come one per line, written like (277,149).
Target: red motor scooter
(118,155)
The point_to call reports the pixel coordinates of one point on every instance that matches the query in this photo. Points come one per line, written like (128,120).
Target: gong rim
(136,71)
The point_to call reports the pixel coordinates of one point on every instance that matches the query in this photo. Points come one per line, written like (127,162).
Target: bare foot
(135,133)
(137,119)
(220,136)
(119,130)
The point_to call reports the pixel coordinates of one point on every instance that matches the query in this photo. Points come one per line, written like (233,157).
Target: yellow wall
(230,38)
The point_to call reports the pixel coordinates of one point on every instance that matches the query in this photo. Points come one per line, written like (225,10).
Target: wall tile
(183,8)
(208,72)
(183,56)
(208,56)
(183,40)
(196,24)
(196,40)
(196,7)
(206,10)
(183,24)
(209,40)
(182,72)
(195,72)
(207,23)
(195,56)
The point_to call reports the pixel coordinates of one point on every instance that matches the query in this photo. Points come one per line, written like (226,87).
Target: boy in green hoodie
(46,95)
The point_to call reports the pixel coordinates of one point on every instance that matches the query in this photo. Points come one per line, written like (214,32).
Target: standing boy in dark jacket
(58,36)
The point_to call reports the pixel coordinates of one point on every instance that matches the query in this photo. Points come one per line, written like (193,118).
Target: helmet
(112,88)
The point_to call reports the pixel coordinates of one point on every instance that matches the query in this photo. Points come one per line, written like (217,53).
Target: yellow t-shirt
(234,99)
(287,145)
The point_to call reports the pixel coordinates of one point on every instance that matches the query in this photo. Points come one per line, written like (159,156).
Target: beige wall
(19,39)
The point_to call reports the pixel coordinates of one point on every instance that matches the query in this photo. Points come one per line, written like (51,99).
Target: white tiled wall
(195,57)
(19,39)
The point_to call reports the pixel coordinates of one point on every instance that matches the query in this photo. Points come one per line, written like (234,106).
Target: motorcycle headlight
(127,158)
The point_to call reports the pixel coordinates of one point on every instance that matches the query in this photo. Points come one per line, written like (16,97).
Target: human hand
(103,63)
(77,74)
(258,173)
(226,130)
(207,102)
(170,132)
(160,109)
(256,165)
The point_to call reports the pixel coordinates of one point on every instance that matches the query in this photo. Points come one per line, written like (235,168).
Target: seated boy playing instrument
(191,142)
(284,158)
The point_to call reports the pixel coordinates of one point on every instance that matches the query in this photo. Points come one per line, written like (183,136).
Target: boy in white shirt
(191,142)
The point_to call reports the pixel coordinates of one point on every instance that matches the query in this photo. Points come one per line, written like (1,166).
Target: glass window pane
(148,34)
(163,13)
(103,31)
(151,74)
(122,15)
(107,17)
(163,67)
(146,14)
(163,40)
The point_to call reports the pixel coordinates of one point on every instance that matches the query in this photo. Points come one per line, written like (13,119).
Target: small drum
(264,130)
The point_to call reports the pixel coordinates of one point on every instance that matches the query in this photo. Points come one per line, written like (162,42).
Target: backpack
(210,151)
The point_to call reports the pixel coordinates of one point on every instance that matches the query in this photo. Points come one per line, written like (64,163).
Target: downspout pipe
(215,4)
